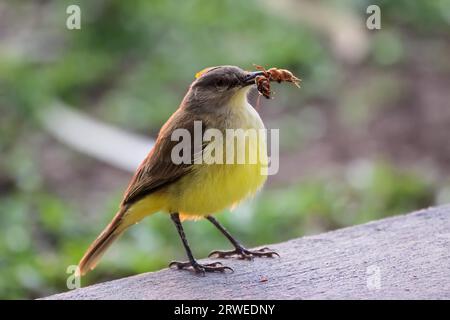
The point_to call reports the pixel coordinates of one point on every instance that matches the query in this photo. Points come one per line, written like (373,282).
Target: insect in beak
(249,79)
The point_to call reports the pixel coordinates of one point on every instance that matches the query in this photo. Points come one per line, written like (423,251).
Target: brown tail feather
(102,243)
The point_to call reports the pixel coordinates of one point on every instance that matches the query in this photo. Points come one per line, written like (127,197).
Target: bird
(191,190)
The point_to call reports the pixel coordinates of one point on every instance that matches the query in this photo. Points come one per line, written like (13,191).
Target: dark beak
(249,79)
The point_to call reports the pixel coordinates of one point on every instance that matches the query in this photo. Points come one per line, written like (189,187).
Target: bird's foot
(198,268)
(244,254)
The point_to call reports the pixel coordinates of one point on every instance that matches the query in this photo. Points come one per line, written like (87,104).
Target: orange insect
(273,74)
(263,86)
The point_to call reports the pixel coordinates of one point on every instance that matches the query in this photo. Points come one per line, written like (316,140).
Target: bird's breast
(215,186)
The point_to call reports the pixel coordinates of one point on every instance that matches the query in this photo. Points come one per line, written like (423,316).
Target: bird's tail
(96,250)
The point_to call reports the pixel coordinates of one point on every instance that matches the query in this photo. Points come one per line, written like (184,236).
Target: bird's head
(215,86)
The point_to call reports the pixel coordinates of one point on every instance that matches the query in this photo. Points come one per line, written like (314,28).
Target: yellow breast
(214,187)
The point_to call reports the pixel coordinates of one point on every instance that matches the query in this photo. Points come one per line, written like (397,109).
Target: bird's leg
(192,264)
(239,250)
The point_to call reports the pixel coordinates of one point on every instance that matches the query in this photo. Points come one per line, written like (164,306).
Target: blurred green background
(366,137)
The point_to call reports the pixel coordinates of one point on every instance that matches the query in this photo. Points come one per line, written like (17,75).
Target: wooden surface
(405,257)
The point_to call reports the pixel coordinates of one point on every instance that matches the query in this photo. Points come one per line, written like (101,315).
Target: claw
(200,268)
(175,264)
(213,254)
(214,264)
(244,254)
(229,269)
(268,252)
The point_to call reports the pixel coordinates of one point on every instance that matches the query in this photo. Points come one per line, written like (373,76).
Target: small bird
(217,99)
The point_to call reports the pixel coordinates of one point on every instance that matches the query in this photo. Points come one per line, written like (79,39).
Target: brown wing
(158,170)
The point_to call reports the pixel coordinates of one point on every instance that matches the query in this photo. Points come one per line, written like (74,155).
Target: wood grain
(411,253)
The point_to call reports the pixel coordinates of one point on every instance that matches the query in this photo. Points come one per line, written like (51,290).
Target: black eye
(220,82)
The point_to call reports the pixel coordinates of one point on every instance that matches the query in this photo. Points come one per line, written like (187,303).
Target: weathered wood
(411,255)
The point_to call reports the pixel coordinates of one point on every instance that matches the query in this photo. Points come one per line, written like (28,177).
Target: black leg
(239,250)
(176,220)
(222,229)
(192,263)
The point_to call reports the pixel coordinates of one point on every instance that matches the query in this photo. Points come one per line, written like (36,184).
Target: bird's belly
(218,187)
(214,187)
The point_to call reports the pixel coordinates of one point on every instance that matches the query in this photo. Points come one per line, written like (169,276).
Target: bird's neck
(241,112)
(239,99)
